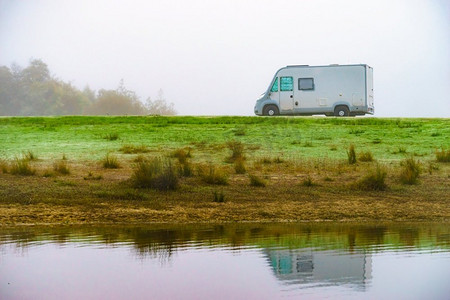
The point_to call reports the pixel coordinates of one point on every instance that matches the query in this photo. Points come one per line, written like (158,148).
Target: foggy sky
(217,57)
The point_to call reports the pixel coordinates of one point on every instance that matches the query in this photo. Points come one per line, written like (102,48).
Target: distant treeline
(32,91)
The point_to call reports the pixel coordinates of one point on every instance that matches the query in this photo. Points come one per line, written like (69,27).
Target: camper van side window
(306,83)
(286,84)
(275,86)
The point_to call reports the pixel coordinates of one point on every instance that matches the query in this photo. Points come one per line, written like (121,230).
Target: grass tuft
(239,166)
(410,171)
(182,155)
(443,155)
(376,141)
(256,181)
(400,150)
(4,166)
(240,131)
(356,131)
(185,169)
(155,174)
(308,182)
(351,155)
(374,180)
(61,167)
(110,162)
(22,167)
(48,173)
(237,151)
(112,136)
(29,155)
(134,149)
(91,176)
(218,197)
(365,156)
(213,176)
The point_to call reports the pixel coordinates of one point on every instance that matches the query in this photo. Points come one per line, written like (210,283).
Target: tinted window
(286,83)
(306,83)
(275,86)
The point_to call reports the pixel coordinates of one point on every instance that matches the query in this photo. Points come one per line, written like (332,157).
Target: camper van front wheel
(271,110)
(341,111)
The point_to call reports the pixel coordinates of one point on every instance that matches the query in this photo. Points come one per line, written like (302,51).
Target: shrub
(237,151)
(239,166)
(218,197)
(351,155)
(410,171)
(374,180)
(256,181)
(213,176)
(110,162)
(155,174)
(365,156)
(61,167)
(443,156)
(22,167)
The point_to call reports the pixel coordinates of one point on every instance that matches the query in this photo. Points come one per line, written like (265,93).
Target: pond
(233,261)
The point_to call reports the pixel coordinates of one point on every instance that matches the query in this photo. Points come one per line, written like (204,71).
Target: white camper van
(334,90)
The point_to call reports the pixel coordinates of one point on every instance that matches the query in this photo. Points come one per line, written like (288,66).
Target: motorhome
(333,90)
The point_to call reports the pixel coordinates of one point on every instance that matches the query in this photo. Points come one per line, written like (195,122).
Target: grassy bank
(85,169)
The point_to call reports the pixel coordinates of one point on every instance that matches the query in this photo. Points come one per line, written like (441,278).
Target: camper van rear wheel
(341,111)
(271,110)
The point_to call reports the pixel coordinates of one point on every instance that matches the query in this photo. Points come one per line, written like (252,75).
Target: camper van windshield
(275,86)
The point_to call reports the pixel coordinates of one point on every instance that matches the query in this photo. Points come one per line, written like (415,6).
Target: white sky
(217,57)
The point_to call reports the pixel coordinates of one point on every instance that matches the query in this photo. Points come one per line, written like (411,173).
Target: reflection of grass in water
(158,238)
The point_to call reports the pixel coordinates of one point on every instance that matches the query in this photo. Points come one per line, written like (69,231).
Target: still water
(244,261)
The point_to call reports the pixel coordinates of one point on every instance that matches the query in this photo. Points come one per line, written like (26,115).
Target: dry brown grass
(109,196)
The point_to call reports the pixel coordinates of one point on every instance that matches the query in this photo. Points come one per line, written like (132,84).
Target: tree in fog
(8,103)
(33,91)
(117,102)
(160,106)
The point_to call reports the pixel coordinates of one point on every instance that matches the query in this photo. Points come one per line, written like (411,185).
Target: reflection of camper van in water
(300,266)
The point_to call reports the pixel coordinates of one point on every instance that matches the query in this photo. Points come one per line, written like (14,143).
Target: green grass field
(87,138)
(68,170)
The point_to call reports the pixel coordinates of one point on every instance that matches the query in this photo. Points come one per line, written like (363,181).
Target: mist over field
(217,57)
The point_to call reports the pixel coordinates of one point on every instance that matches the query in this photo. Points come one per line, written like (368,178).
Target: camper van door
(286,93)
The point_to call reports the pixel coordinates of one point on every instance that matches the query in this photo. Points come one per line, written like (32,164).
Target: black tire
(341,111)
(271,110)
